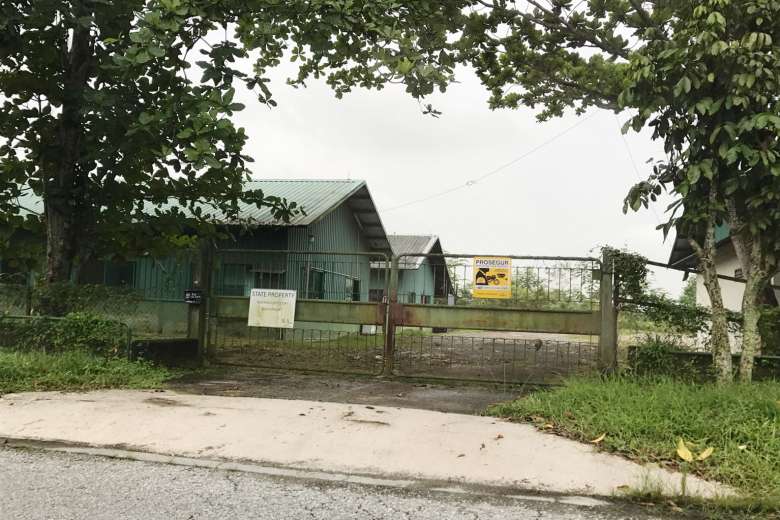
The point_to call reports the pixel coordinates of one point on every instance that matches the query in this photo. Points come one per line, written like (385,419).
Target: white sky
(563,199)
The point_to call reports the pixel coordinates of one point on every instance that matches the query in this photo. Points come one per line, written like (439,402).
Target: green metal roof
(317,198)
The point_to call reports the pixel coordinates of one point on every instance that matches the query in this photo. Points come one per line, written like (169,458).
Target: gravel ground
(49,485)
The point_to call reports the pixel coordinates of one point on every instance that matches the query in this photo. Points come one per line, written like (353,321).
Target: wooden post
(390,318)
(608,338)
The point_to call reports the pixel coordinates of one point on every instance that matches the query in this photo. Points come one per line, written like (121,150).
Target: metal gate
(415,316)
(337,327)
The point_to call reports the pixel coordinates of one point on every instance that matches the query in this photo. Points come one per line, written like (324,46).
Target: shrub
(769,325)
(74,332)
(61,299)
(659,356)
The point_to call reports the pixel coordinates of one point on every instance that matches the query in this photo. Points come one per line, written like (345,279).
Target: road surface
(50,485)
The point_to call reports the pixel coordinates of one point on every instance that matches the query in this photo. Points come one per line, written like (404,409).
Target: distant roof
(317,198)
(682,254)
(410,245)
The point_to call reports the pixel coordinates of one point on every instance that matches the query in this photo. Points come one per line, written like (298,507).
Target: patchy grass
(33,371)
(644,418)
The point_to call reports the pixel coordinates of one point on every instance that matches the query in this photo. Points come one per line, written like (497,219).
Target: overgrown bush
(769,325)
(655,356)
(74,332)
(60,299)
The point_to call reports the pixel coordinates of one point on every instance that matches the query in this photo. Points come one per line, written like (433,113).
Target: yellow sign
(492,277)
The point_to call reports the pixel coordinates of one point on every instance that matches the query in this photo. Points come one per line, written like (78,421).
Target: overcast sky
(565,198)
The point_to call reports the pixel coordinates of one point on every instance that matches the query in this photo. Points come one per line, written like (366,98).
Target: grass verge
(33,371)
(644,418)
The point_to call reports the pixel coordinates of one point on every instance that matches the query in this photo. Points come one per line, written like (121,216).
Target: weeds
(644,418)
(35,371)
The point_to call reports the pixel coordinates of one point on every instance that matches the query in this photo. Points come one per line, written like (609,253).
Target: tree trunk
(60,174)
(751,336)
(59,241)
(752,259)
(757,270)
(719,337)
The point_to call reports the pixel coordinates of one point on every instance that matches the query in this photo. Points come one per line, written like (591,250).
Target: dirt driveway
(268,383)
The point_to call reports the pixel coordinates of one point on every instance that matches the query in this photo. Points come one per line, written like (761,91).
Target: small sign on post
(273,308)
(193,296)
(492,277)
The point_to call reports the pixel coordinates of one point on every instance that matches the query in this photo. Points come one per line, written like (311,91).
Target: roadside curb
(286,472)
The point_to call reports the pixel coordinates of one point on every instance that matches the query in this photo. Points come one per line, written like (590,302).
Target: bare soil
(368,390)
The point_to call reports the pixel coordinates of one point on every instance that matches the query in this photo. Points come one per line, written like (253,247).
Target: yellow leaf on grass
(683,451)
(598,439)
(705,454)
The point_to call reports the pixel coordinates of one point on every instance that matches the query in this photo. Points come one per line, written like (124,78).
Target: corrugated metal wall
(338,231)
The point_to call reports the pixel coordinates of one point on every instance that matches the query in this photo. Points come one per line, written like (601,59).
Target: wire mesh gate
(546,327)
(414,315)
(338,322)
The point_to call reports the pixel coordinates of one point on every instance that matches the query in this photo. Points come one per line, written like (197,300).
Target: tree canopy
(702,75)
(118,113)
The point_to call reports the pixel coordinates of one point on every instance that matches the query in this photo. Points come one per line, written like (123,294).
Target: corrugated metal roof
(409,244)
(316,197)
(406,244)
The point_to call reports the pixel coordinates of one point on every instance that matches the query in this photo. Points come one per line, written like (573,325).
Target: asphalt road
(49,485)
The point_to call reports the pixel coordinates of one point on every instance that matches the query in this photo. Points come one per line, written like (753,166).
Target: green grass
(644,418)
(32,371)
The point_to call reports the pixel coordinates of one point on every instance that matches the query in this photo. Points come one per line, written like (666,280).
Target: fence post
(608,338)
(206,270)
(197,319)
(390,317)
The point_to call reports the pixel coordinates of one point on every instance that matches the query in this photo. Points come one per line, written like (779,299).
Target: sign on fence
(193,296)
(272,308)
(492,277)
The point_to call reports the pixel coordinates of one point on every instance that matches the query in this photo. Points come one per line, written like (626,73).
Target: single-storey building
(339,218)
(421,279)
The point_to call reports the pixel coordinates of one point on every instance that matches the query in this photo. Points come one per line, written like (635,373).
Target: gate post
(198,314)
(608,335)
(390,319)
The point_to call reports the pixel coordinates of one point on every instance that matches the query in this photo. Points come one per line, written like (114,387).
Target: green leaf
(693,174)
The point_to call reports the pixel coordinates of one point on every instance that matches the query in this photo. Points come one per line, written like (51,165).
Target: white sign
(272,308)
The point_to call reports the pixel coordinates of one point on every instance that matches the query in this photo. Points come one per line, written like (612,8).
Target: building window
(376,295)
(316,287)
(425,299)
(234,279)
(355,290)
(738,273)
(411,298)
(268,280)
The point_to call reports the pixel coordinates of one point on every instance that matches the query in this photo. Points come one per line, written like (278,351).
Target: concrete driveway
(384,442)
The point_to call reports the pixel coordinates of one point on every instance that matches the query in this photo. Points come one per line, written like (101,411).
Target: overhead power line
(492,172)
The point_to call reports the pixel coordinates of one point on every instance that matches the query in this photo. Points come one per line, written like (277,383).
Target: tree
(688,296)
(702,75)
(130,144)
